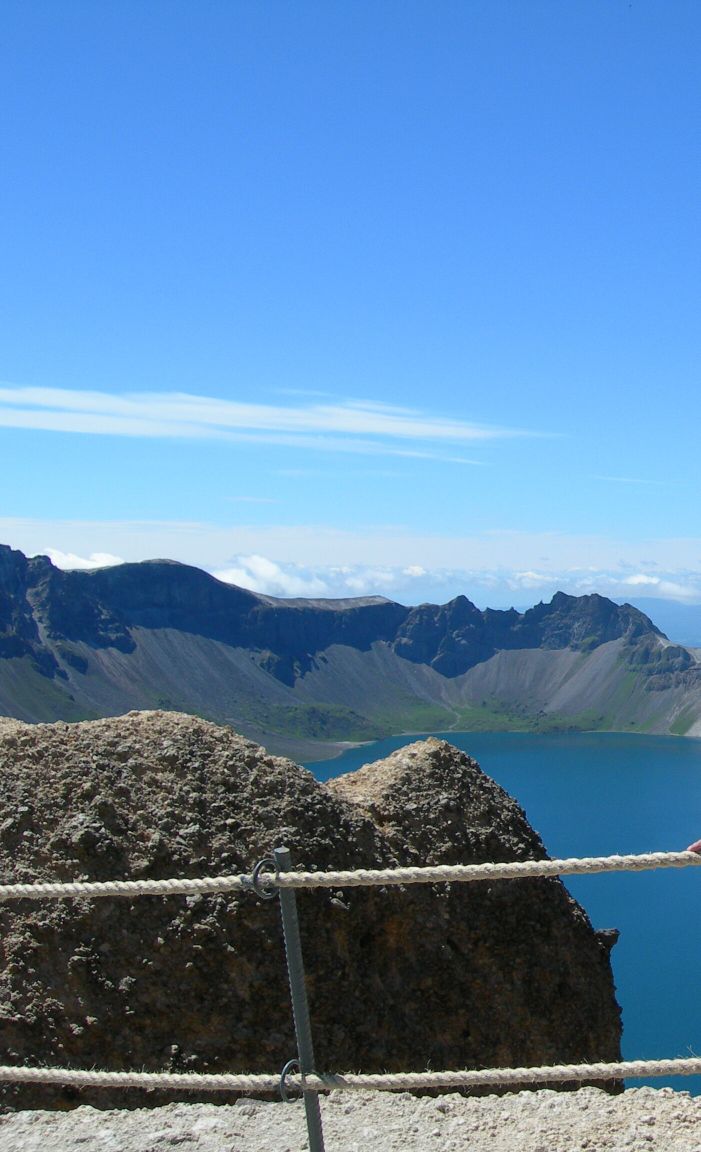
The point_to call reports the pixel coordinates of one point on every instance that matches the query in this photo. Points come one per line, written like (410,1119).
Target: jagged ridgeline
(84,644)
(505,973)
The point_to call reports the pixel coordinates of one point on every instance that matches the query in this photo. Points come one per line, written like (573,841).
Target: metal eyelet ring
(283,1076)
(266,865)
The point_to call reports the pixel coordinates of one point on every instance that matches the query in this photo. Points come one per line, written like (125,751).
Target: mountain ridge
(81,644)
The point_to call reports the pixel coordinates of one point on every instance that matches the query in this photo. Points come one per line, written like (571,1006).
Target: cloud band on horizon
(501,566)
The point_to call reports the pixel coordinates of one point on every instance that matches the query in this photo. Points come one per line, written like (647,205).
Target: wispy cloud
(349,426)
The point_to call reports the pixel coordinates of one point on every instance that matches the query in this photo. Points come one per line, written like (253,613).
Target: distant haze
(679,622)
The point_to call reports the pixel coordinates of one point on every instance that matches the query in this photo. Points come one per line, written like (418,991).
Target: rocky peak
(435,804)
(454,637)
(449,976)
(13,569)
(583,622)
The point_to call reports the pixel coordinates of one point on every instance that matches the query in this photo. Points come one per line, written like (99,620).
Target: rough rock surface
(488,974)
(654,1120)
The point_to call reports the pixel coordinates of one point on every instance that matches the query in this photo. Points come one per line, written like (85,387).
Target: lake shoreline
(343,746)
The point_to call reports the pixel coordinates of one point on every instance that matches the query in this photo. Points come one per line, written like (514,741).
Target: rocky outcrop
(455,637)
(468,975)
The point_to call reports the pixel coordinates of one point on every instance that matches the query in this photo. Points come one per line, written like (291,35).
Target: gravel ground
(639,1120)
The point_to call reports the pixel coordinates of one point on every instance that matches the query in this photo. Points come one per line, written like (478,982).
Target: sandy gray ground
(640,1120)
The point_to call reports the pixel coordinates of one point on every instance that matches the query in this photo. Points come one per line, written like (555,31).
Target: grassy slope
(350,695)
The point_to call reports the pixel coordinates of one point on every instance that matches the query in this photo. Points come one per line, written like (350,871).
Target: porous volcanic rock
(482,974)
(535,979)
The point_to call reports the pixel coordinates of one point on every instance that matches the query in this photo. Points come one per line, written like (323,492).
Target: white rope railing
(171,1081)
(266,882)
(95,888)
(499,1077)
(352,878)
(465,873)
(354,1082)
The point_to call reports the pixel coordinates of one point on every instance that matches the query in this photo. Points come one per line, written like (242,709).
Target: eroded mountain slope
(85,644)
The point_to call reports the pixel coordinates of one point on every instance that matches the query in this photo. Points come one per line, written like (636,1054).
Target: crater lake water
(597,794)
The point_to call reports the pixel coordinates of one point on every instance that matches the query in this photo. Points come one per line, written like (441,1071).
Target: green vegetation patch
(492,716)
(683,721)
(415,717)
(313,721)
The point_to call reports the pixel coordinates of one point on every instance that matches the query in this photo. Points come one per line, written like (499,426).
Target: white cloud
(666,589)
(372,581)
(69,560)
(530,579)
(350,426)
(641,579)
(262,575)
(495,568)
(412,584)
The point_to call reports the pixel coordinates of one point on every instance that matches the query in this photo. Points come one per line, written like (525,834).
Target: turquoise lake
(596,794)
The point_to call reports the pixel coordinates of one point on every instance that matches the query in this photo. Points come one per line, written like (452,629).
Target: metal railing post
(298,993)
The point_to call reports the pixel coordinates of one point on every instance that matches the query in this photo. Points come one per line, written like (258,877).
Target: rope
(175,1081)
(463,873)
(228,1082)
(500,1077)
(358,878)
(77,888)
(381,1082)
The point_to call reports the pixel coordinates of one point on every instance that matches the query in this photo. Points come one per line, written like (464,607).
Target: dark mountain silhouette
(83,644)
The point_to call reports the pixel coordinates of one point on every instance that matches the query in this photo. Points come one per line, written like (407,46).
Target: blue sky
(343,298)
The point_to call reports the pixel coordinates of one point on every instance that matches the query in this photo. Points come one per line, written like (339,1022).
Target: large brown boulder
(444,977)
